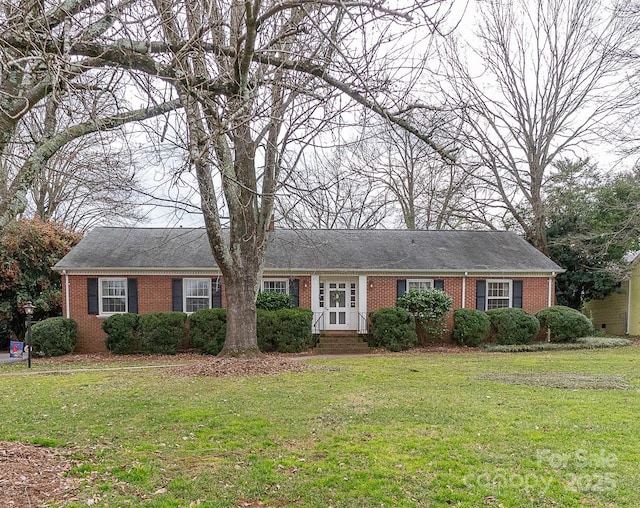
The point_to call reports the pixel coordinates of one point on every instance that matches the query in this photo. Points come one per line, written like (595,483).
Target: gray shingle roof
(314,250)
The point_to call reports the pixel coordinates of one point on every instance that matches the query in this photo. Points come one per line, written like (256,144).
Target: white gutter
(66,293)
(464,288)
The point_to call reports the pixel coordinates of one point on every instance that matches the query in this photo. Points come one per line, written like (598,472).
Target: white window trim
(409,281)
(184,292)
(286,284)
(101,312)
(487,298)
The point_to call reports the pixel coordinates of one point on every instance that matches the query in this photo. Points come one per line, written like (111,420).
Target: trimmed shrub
(394,329)
(207,330)
(122,332)
(512,326)
(429,307)
(566,324)
(470,327)
(54,336)
(273,300)
(285,330)
(161,333)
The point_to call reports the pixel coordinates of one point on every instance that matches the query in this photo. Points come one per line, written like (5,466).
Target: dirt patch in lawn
(567,380)
(239,367)
(33,476)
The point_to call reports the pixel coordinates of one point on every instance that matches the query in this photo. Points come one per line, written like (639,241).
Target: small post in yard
(28,310)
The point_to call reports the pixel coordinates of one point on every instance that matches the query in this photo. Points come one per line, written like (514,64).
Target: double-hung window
(197,294)
(499,294)
(113,296)
(419,284)
(277,285)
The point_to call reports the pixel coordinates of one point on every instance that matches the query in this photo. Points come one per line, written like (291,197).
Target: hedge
(55,336)
(394,329)
(122,333)
(566,324)
(207,330)
(284,330)
(512,326)
(470,327)
(273,300)
(161,332)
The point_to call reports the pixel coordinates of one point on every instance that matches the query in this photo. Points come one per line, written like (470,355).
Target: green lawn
(471,429)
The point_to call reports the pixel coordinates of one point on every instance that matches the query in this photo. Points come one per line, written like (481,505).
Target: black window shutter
(294,291)
(481,295)
(176,295)
(438,284)
(92,296)
(401,287)
(216,293)
(132,295)
(517,294)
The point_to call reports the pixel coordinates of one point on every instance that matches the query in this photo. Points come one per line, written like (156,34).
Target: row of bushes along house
(289,330)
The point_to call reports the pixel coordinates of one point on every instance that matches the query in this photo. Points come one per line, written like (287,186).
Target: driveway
(4,358)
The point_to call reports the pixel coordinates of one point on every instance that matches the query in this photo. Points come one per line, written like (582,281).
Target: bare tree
(427,191)
(83,187)
(543,78)
(324,194)
(42,81)
(256,81)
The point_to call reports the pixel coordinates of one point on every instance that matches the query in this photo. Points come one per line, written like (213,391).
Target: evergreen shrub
(161,332)
(470,327)
(394,329)
(512,326)
(55,336)
(566,324)
(207,330)
(122,333)
(285,330)
(273,300)
(429,308)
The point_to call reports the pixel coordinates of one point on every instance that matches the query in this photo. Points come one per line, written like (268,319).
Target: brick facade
(155,295)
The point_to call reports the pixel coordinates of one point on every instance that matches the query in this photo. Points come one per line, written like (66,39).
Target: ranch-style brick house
(341,275)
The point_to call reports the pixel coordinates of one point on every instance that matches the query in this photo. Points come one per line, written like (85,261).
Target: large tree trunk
(241,292)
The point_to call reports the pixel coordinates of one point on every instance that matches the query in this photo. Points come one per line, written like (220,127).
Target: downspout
(628,327)
(549,301)
(66,293)
(464,289)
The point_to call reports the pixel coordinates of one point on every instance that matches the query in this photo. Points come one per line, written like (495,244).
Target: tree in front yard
(593,223)
(28,250)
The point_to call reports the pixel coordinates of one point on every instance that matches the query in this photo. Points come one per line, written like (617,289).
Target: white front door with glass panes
(340,305)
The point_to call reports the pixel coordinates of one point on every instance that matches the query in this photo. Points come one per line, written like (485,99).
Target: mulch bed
(34,476)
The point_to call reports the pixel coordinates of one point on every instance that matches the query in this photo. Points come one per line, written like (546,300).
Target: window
(197,294)
(419,284)
(498,294)
(113,296)
(277,285)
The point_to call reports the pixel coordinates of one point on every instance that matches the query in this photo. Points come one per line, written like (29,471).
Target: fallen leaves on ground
(239,367)
(33,476)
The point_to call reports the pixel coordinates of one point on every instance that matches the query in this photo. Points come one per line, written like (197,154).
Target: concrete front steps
(341,343)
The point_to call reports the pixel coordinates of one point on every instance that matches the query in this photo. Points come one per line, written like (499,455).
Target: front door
(337,309)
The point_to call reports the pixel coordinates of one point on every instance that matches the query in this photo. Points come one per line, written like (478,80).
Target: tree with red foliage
(28,250)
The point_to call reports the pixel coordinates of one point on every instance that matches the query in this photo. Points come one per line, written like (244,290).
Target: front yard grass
(468,429)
